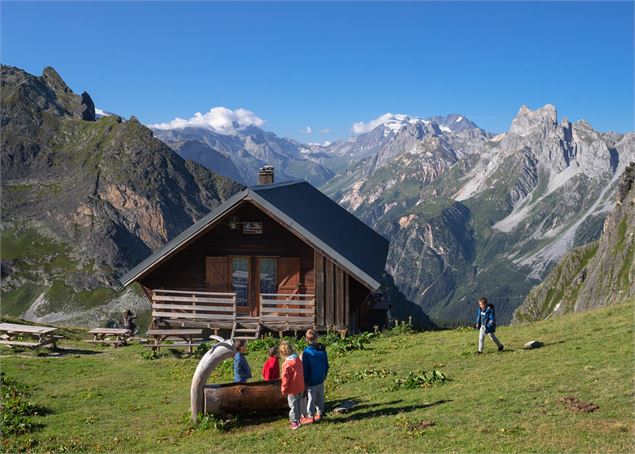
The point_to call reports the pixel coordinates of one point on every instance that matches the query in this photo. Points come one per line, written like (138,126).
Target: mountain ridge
(479,214)
(248,148)
(84,199)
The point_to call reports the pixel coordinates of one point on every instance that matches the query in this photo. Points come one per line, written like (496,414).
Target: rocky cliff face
(83,200)
(593,275)
(471,214)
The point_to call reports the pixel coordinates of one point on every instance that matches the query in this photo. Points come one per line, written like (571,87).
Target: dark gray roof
(312,215)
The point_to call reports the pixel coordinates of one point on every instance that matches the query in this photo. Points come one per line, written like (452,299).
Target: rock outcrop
(596,274)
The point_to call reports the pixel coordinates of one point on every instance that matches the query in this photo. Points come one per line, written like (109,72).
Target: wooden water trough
(244,398)
(230,398)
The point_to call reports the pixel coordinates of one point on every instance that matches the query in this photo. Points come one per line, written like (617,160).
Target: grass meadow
(101,399)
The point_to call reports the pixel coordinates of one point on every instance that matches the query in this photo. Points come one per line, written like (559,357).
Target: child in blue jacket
(486,324)
(242,371)
(316,366)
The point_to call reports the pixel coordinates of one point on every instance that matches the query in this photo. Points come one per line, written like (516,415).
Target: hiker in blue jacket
(486,324)
(242,371)
(316,366)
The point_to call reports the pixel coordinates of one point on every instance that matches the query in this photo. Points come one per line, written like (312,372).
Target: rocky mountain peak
(454,122)
(51,78)
(48,93)
(529,121)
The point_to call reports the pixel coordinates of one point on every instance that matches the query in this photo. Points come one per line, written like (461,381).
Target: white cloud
(218,119)
(360,127)
(306,130)
(325,131)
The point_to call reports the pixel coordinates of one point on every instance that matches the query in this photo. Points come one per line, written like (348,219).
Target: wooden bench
(110,336)
(43,335)
(187,335)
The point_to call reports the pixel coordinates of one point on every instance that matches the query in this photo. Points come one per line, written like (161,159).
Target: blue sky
(329,65)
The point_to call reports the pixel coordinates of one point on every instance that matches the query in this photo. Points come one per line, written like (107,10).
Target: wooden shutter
(289,275)
(217,274)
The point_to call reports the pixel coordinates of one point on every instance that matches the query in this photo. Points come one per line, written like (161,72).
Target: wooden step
(246,330)
(245,338)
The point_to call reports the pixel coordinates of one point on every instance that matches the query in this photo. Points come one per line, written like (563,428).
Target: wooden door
(217,274)
(289,275)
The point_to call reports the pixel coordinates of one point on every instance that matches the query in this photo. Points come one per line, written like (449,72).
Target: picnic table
(189,337)
(42,335)
(111,336)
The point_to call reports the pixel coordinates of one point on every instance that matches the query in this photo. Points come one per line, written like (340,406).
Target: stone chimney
(265,175)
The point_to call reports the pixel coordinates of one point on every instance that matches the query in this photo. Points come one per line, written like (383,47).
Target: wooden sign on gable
(252,228)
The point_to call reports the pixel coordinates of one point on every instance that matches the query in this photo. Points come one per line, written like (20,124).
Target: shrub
(16,410)
(351,343)
(419,380)
(399,329)
(373,373)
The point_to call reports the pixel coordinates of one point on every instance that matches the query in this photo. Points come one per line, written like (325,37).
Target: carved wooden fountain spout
(221,351)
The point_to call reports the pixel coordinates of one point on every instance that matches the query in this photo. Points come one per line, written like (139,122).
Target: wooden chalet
(280,256)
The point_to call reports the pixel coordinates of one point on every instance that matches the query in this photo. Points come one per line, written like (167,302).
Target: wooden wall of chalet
(186,270)
(339,296)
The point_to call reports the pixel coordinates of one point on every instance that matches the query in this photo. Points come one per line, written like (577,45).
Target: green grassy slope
(114,400)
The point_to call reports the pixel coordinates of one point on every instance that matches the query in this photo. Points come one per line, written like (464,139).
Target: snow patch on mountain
(391,122)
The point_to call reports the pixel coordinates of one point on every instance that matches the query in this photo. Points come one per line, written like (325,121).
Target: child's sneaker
(501,347)
(294,425)
(307,420)
(317,417)
(479,353)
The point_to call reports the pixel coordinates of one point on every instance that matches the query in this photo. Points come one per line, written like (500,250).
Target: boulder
(533,344)
(345,406)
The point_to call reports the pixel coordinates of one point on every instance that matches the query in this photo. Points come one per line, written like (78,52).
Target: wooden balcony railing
(193,305)
(287,308)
